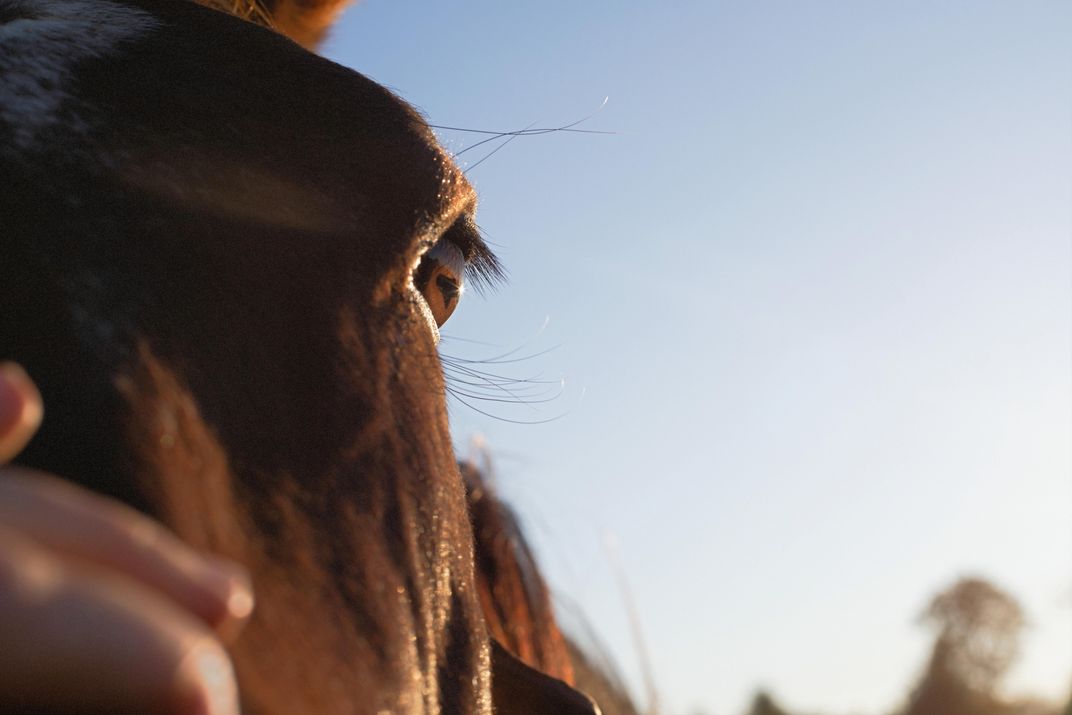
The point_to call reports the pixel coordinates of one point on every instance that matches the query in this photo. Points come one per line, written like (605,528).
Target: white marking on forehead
(40,50)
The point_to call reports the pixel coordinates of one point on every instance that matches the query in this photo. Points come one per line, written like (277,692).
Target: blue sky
(811,304)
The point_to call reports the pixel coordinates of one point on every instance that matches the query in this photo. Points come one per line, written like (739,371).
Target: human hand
(102,609)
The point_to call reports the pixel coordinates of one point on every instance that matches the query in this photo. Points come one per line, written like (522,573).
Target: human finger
(90,640)
(78,524)
(20,410)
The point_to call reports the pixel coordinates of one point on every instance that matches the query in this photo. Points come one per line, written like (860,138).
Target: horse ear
(304,21)
(516,688)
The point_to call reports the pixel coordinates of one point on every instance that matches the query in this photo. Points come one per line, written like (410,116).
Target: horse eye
(440,279)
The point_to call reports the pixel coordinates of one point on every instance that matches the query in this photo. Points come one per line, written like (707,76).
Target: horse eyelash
(483,270)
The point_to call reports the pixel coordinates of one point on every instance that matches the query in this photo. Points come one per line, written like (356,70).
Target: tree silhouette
(764,704)
(978,638)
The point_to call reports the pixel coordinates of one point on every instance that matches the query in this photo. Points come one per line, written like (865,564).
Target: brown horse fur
(207,238)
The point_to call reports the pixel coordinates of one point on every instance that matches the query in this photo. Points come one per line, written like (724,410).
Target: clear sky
(812,305)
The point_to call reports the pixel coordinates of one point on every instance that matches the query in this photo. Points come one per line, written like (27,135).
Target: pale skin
(101,609)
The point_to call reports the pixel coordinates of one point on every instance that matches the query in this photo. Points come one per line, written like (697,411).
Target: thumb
(20,410)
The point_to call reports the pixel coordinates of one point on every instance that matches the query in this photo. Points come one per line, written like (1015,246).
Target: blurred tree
(764,704)
(979,630)
(978,638)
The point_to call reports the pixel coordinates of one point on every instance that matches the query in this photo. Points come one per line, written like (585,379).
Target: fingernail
(232,585)
(208,681)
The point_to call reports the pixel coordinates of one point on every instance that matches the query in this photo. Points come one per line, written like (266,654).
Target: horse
(225,263)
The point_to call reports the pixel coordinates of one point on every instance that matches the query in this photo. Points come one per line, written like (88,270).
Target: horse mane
(513,595)
(517,603)
(599,681)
